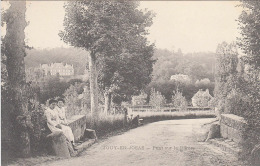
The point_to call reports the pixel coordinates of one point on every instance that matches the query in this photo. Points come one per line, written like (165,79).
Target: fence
(146,108)
(165,108)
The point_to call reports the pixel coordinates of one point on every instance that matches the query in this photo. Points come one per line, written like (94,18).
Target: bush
(179,101)
(201,99)
(72,101)
(156,99)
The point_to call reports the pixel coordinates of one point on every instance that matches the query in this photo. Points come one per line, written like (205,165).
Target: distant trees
(196,66)
(202,82)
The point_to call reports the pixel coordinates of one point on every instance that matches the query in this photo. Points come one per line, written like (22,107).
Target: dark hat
(52,101)
(61,99)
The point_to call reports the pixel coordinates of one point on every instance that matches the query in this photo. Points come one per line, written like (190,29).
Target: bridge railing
(165,108)
(149,108)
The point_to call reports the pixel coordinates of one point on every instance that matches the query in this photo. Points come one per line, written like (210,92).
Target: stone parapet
(232,126)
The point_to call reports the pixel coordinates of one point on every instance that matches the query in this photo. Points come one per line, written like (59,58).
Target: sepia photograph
(130,83)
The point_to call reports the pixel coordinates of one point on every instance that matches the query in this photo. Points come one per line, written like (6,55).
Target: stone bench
(231,127)
(77,123)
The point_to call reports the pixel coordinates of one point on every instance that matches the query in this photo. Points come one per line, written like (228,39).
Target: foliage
(85,100)
(127,75)
(103,26)
(72,100)
(39,128)
(250,30)
(179,101)
(201,99)
(226,71)
(156,99)
(127,69)
(77,98)
(140,99)
(247,103)
(52,87)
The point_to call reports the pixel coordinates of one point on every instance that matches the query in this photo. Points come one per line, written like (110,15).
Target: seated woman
(61,111)
(54,123)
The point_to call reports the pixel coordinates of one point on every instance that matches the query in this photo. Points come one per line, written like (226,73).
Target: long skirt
(67,132)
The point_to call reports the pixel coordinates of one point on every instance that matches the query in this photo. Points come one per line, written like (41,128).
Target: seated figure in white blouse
(61,111)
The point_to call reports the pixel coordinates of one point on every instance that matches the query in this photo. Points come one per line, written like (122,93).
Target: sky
(191,26)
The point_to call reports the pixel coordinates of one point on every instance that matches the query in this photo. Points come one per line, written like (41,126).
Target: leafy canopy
(103,26)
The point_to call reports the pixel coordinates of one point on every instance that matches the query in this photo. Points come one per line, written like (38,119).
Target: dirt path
(172,143)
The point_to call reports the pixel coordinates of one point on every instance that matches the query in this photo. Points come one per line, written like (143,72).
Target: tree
(179,101)
(226,71)
(250,30)
(245,100)
(15,53)
(156,99)
(101,27)
(127,75)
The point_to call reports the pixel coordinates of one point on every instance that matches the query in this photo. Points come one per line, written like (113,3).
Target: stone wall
(78,125)
(231,127)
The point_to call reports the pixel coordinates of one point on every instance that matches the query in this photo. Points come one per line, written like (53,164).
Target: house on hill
(55,68)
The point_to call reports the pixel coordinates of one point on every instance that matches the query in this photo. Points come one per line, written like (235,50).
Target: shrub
(156,99)
(72,101)
(179,101)
(201,99)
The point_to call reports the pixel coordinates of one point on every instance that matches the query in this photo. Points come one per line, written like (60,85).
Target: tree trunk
(15,52)
(107,96)
(93,89)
